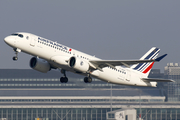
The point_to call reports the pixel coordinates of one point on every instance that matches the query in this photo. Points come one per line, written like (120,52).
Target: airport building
(172,71)
(31,95)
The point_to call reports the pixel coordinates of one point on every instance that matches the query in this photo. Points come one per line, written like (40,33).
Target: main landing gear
(88,79)
(64,79)
(16,50)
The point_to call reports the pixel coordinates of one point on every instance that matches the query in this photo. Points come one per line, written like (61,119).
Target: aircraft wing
(157,80)
(99,64)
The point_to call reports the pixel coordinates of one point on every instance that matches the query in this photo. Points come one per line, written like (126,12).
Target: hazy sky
(108,29)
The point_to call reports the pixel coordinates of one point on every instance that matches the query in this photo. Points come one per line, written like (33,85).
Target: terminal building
(172,71)
(26,94)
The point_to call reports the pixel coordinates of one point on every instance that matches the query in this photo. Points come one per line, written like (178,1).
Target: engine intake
(78,64)
(40,65)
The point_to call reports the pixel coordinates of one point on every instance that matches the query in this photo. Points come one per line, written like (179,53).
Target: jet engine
(40,65)
(78,64)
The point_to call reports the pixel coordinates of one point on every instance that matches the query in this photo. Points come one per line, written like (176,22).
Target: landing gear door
(32,41)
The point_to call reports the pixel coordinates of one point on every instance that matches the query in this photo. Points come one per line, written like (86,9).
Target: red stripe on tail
(148,68)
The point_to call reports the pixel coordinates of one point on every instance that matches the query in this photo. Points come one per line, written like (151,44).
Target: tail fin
(146,67)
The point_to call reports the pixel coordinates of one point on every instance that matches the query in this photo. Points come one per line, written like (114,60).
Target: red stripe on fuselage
(148,68)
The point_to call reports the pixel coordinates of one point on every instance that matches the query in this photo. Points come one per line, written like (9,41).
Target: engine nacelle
(39,65)
(78,64)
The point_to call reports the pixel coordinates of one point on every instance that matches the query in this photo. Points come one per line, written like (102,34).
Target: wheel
(87,79)
(15,58)
(63,79)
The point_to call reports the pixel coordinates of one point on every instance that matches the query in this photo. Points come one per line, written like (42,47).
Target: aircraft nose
(8,39)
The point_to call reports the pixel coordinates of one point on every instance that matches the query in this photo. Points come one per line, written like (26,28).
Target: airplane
(49,55)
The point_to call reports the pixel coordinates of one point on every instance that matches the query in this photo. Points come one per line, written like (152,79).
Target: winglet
(160,58)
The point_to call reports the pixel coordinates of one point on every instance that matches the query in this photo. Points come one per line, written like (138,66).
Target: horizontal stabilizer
(160,58)
(157,80)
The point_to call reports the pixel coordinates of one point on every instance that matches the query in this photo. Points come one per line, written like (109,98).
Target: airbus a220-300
(49,55)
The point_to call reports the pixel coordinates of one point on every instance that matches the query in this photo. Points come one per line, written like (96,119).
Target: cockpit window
(15,34)
(20,35)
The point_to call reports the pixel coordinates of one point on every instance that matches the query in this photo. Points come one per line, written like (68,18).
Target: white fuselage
(47,50)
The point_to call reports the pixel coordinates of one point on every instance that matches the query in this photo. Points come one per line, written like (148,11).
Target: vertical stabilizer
(145,68)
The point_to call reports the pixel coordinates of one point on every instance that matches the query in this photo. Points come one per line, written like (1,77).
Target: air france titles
(52,43)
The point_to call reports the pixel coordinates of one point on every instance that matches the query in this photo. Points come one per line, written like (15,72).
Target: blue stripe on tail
(152,55)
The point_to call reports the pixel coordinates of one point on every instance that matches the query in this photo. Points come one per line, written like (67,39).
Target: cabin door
(128,75)
(32,41)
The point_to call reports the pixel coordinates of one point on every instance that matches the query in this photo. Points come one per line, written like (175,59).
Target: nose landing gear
(16,50)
